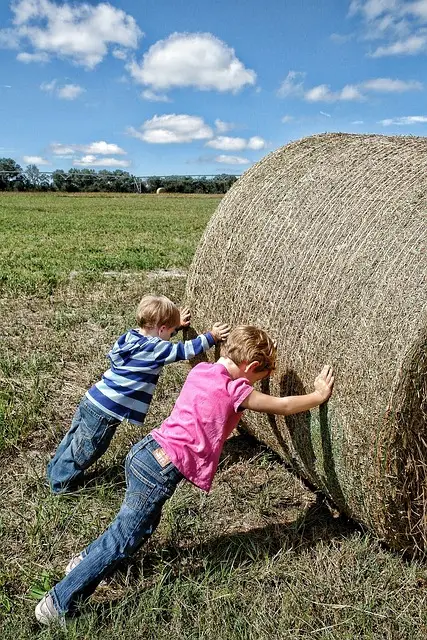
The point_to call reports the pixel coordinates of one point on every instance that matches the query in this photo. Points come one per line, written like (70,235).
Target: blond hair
(249,344)
(155,311)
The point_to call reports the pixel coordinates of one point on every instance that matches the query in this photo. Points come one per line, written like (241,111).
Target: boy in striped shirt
(126,388)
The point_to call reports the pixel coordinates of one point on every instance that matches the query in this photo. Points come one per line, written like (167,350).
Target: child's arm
(172,352)
(287,405)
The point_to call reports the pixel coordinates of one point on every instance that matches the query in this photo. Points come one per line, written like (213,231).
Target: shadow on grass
(317,523)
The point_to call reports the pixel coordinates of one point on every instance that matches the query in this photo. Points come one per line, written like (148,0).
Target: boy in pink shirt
(187,445)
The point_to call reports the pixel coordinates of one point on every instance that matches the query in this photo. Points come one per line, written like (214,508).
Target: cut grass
(259,558)
(47,237)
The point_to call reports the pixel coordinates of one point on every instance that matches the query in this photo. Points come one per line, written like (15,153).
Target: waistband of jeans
(149,443)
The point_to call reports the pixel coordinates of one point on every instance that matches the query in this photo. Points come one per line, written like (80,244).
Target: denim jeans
(87,440)
(148,486)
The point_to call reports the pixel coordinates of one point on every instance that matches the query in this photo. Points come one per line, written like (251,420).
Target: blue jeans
(149,483)
(87,440)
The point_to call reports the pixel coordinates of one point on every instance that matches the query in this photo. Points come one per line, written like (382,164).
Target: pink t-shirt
(206,412)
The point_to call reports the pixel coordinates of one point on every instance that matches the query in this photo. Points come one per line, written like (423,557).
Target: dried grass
(323,243)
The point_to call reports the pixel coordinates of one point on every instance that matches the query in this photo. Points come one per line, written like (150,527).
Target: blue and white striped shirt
(126,389)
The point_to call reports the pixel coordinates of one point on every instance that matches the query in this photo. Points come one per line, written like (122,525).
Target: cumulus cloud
(172,128)
(152,96)
(227,143)
(410,46)
(400,24)
(120,54)
(91,160)
(223,127)
(64,92)
(198,60)
(294,86)
(79,31)
(405,120)
(35,160)
(95,148)
(323,93)
(256,143)
(235,160)
(388,85)
(70,91)
(32,57)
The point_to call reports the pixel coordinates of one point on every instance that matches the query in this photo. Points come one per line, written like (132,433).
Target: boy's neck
(149,332)
(233,369)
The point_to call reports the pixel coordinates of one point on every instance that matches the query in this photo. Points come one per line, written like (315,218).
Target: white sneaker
(75,560)
(46,613)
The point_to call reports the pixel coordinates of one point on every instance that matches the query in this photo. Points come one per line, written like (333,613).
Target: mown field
(260,557)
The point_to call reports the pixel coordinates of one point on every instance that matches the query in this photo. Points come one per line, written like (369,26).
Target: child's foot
(46,613)
(75,560)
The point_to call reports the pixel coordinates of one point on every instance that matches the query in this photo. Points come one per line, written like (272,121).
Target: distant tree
(11,175)
(36,180)
(59,179)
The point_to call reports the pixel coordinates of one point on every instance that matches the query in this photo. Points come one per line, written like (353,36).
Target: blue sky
(202,86)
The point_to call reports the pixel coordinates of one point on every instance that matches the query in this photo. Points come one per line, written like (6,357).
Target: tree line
(14,178)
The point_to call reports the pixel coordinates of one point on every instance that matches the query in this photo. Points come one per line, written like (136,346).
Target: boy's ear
(252,366)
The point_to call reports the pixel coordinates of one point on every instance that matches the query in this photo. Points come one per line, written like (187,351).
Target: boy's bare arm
(287,405)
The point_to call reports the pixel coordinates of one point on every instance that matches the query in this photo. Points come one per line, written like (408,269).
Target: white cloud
(172,128)
(9,39)
(225,159)
(95,148)
(256,143)
(197,60)
(323,113)
(152,96)
(70,91)
(400,24)
(357,122)
(120,54)
(49,87)
(292,85)
(35,160)
(223,127)
(32,57)
(405,120)
(287,119)
(91,160)
(64,92)
(323,93)
(388,85)
(411,46)
(79,31)
(227,143)
(101,148)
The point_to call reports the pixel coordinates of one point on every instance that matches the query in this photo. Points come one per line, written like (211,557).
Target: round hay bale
(161,190)
(323,243)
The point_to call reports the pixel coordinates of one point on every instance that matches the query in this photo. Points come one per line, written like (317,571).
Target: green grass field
(259,558)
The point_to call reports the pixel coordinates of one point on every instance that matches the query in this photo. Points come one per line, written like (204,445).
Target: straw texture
(323,243)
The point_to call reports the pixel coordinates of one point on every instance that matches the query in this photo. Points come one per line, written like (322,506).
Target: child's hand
(220,331)
(185,317)
(324,382)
